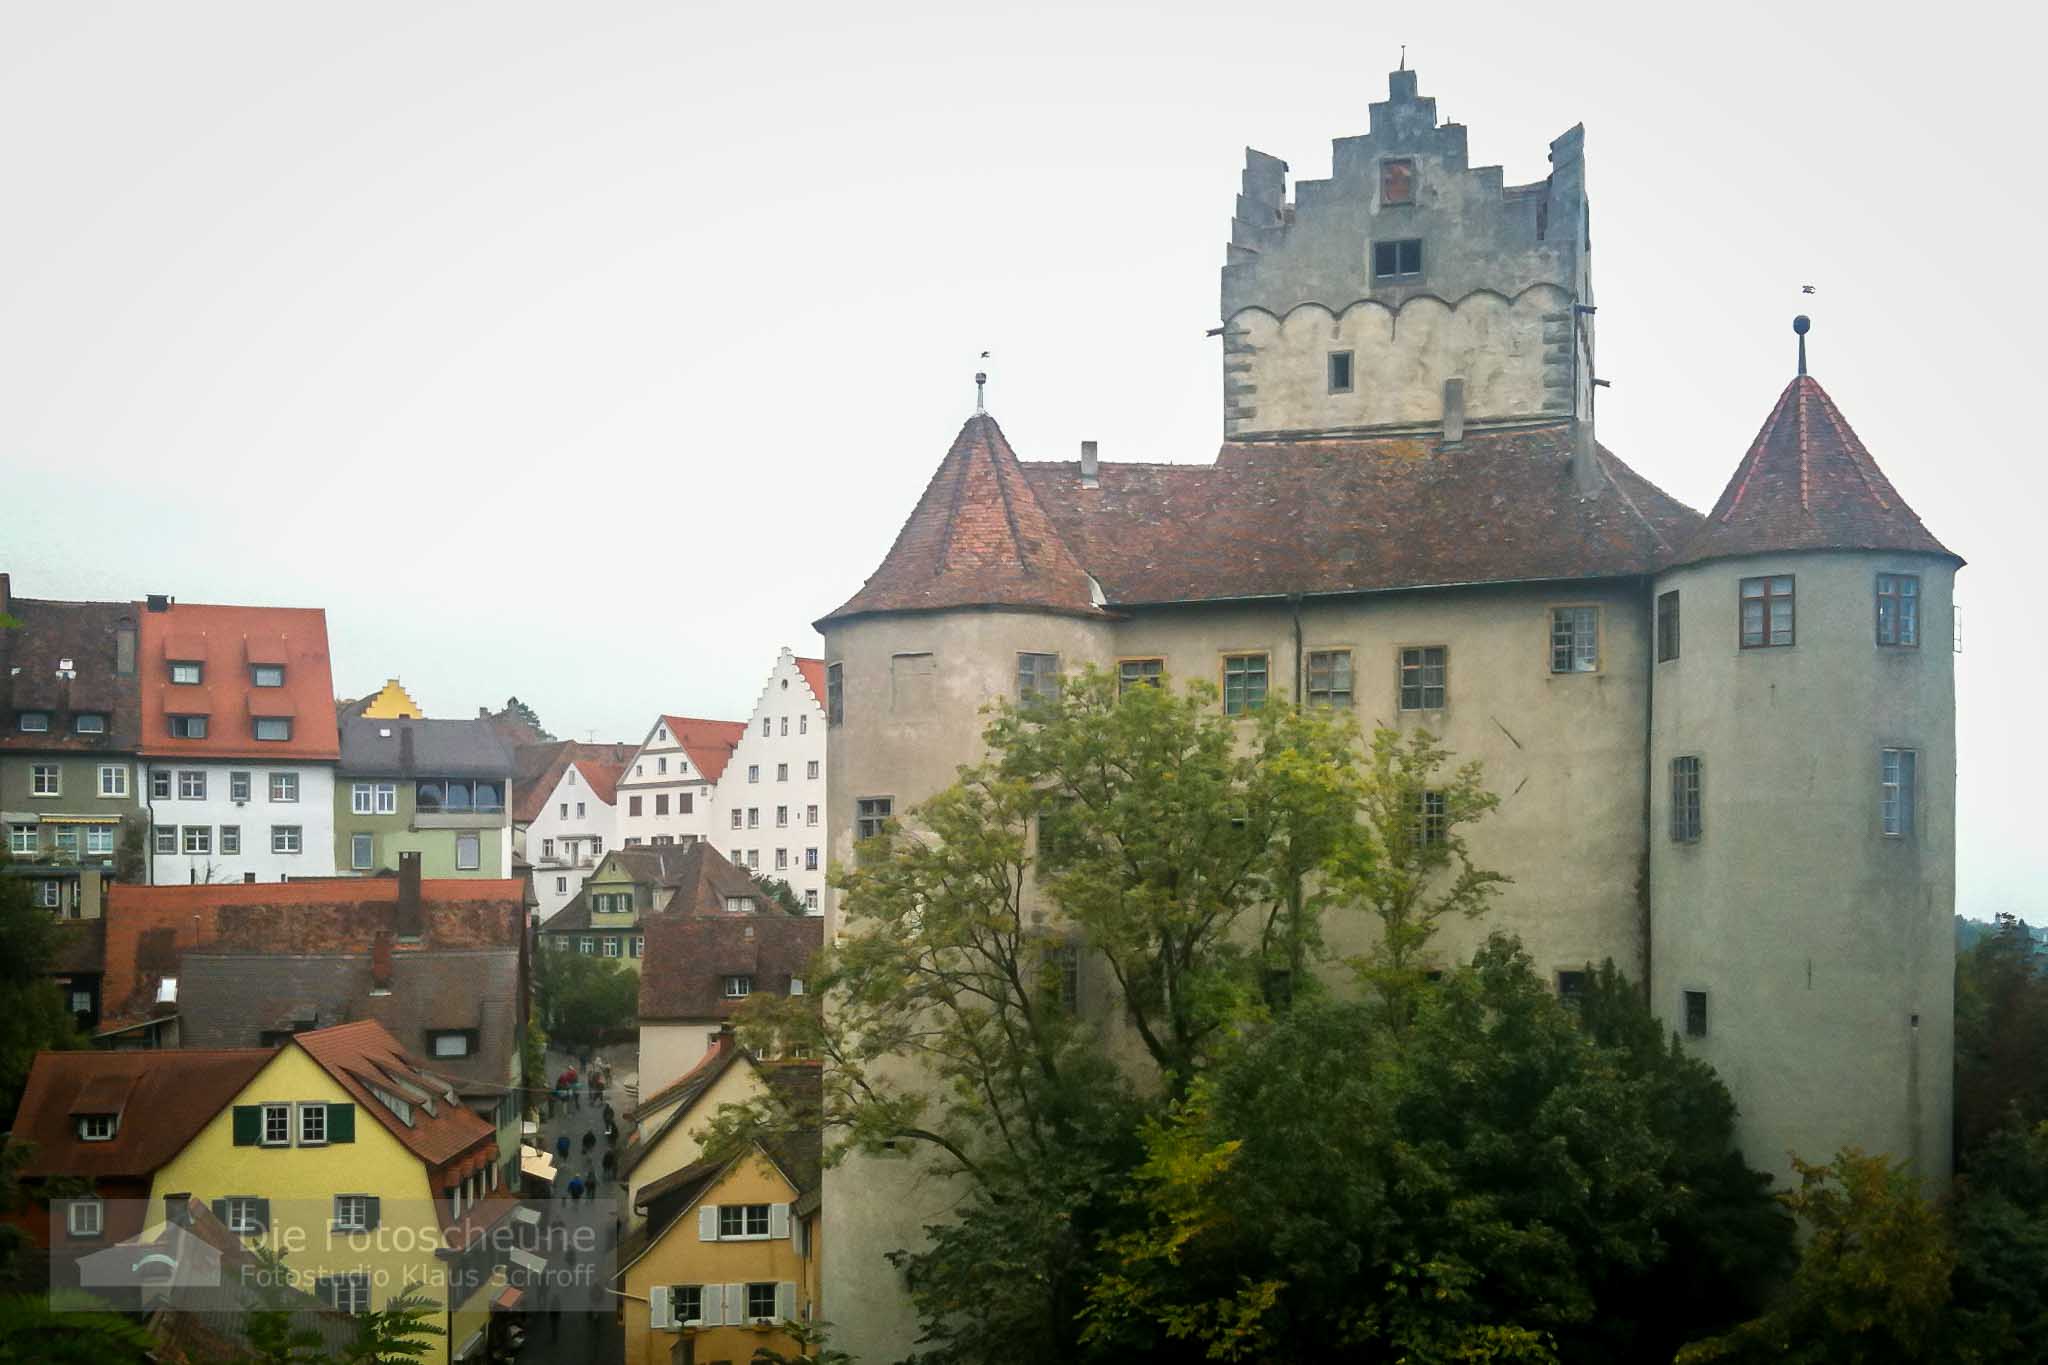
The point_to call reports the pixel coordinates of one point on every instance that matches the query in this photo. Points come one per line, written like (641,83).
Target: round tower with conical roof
(1802,748)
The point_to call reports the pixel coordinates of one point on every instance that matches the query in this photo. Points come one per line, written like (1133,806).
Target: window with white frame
(185,672)
(1574,639)
(468,852)
(284,786)
(782,772)
(277,1125)
(98,1127)
(587,945)
(160,784)
(387,798)
(285,838)
(811,770)
(33,722)
(49,894)
(113,779)
(1898,609)
(753,772)
(362,852)
(753,817)
(84,1217)
(686,1304)
(742,1220)
(312,1125)
(810,860)
(1895,790)
(272,728)
(267,675)
(45,779)
(351,1213)
(187,727)
(238,786)
(782,860)
(1685,799)
(738,817)
(192,784)
(21,839)
(99,838)
(230,838)
(166,838)
(810,815)
(244,1215)
(811,899)
(362,798)
(348,1293)
(782,817)
(198,839)
(738,987)
(89,723)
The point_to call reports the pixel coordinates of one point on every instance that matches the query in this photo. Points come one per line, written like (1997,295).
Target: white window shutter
(658,1307)
(707,1223)
(778,1222)
(712,1297)
(736,1304)
(785,1302)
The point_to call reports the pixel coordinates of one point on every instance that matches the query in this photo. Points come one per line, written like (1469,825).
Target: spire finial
(1404,56)
(980,383)
(1801,324)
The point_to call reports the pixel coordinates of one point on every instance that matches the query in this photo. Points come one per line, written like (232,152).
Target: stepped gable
(1808,483)
(979,537)
(1365,514)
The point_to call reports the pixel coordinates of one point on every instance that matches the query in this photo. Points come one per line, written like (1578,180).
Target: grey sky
(591,351)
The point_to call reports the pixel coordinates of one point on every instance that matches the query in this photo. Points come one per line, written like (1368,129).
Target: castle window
(1667,626)
(1340,372)
(1329,678)
(835,693)
(1132,673)
(1038,675)
(1898,609)
(1695,1014)
(1767,612)
(1244,683)
(1895,791)
(1397,181)
(1397,260)
(1571,987)
(1685,799)
(1574,639)
(1431,818)
(1423,676)
(872,813)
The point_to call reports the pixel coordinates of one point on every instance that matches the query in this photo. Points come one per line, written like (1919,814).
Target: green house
(439,788)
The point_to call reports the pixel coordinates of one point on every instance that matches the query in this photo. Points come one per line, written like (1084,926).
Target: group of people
(596,1077)
(568,1095)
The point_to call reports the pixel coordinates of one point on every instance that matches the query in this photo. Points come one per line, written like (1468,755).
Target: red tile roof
(814,677)
(226,641)
(601,778)
(709,743)
(149,928)
(688,958)
(978,537)
(165,1098)
(1808,483)
(364,1054)
(538,767)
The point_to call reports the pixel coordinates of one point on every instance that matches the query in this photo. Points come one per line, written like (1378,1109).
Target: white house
(570,831)
(770,800)
(665,793)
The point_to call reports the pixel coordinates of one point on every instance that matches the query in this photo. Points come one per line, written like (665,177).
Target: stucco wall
(313,812)
(1818,940)
(683,1144)
(553,824)
(795,738)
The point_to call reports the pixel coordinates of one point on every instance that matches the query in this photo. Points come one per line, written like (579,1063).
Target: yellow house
(368,1174)
(665,1132)
(391,702)
(728,1254)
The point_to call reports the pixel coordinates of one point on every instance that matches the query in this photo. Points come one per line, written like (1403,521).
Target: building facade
(770,800)
(1723,744)
(239,742)
(438,788)
(572,829)
(665,794)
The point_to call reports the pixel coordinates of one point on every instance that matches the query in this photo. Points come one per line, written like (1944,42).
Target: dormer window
(186,671)
(273,727)
(89,723)
(188,727)
(1396,261)
(267,675)
(739,905)
(1397,181)
(451,1042)
(99,1127)
(738,987)
(34,722)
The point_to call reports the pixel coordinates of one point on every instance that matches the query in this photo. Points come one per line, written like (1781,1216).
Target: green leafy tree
(533,1064)
(1873,1280)
(2001,1036)
(33,1015)
(402,1330)
(37,1329)
(583,999)
(811,1348)
(520,711)
(2000,1217)
(130,856)
(780,893)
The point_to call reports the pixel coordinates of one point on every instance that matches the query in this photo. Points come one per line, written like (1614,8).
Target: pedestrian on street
(562,1149)
(575,1187)
(589,1141)
(610,1163)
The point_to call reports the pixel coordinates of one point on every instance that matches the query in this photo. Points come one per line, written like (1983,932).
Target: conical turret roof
(1808,483)
(979,537)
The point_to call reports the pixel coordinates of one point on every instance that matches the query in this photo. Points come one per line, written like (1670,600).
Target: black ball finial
(1802,324)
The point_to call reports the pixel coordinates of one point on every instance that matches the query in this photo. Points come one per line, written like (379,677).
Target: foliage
(130,857)
(533,1063)
(2000,1217)
(1873,1281)
(2001,1036)
(401,1331)
(33,1014)
(36,1331)
(810,1338)
(781,893)
(520,711)
(582,998)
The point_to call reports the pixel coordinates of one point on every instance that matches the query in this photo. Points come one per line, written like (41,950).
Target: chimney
(411,921)
(1454,412)
(159,601)
(380,963)
(1586,475)
(1089,466)
(6,593)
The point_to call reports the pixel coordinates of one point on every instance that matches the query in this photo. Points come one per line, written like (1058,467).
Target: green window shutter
(220,1210)
(263,1214)
(374,1217)
(341,1123)
(248,1124)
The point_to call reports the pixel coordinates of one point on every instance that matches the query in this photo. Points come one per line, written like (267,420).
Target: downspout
(1649,778)
(149,838)
(1294,606)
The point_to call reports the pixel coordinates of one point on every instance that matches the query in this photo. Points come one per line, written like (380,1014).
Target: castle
(1725,745)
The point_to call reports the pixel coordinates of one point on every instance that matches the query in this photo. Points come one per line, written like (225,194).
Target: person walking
(575,1188)
(562,1150)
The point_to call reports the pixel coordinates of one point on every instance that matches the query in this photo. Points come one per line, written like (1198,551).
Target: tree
(2001,1036)
(582,998)
(131,857)
(37,1329)
(518,710)
(2000,1217)
(1872,1284)
(33,1014)
(779,892)
(533,1063)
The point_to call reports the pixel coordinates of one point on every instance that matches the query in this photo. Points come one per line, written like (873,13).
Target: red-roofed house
(770,802)
(366,1164)
(239,739)
(574,821)
(665,793)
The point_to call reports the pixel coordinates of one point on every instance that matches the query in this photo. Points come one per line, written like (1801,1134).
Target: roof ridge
(1859,456)
(1755,454)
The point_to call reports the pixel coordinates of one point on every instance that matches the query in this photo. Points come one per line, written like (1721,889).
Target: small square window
(284,786)
(351,1213)
(1571,987)
(166,838)
(160,784)
(1340,371)
(267,675)
(1400,260)
(22,839)
(186,672)
(1667,626)
(1424,678)
(98,1127)
(84,1217)
(1695,1014)
(284,838)
(192,785)
(198,839)
(273,728)
(277,1125)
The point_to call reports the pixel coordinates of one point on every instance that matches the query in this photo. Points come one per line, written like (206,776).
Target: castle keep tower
(1407,290)
(1802,767)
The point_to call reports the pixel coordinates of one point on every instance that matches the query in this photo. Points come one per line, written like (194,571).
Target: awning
(79,819)
(471,1347)
(528,1262)
(539,1165)
(526,1214)
(508,1302)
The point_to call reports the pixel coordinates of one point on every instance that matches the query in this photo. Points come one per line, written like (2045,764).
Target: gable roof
(33,674)
(1808,483)
(601,778)
(227,642)
(978,537)
(687,958)
(683,1094)
(364,1054)
(814,677)
(149,928)
(164,1099)
(709,743)
(796,1157)
(696,876)
(536,768)
(398,747)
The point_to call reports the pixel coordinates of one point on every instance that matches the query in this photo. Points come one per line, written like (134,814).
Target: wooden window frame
(1905,620)
(1669,635)
(1401,687)
(1350,364)
(1599,641)
(1143,679)
(1245,708)
(1898,791)
(1308,678)
(1764,602)
(1688,814)
(1397,275)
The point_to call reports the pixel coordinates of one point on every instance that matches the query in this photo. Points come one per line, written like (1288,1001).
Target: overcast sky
(590,351)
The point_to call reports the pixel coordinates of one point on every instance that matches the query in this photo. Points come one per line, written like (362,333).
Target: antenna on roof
(1801,325)
(1404,56)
